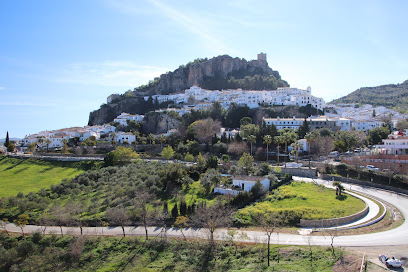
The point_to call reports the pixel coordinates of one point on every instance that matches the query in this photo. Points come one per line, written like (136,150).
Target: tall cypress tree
(7,142)
(174,211)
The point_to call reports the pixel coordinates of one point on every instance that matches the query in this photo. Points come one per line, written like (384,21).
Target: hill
(394,96)
(222,72)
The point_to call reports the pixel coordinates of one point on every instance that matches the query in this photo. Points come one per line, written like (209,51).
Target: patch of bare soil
(349,263)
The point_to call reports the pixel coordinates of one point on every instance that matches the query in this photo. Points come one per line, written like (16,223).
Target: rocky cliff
(218,73)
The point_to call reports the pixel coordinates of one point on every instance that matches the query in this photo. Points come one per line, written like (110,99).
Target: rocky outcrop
(203,71)
(158,122)
(220,72)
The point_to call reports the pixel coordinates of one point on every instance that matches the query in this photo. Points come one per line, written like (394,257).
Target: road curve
(397,236)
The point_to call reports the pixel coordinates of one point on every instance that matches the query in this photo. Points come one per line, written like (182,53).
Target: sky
(59,60)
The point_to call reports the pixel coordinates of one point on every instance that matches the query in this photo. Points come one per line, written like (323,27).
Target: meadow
(19,175)
(303,200)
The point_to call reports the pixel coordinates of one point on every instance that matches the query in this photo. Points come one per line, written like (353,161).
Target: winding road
(394,237)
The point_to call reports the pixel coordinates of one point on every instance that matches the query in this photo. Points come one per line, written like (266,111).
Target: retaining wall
(335,221)
(303,172)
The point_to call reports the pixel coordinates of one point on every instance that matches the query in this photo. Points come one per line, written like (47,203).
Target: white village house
(243,184)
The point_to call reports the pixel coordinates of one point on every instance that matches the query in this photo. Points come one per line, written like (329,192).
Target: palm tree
(150,137)
(310,136)
(113,135)
(47,142)
(40,141)
(296,145)
(251,139)
(278,141)
(65,142)
(267,139)
(162,140)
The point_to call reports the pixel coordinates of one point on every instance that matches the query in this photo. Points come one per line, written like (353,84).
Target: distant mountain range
(11,139)
(222,72)
(394,96)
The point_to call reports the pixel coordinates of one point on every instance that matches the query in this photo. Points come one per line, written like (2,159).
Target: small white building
(122,137)
(243,183)
(365,125)
(124,117)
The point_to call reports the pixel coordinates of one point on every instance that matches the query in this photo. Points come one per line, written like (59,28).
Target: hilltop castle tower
(262,56)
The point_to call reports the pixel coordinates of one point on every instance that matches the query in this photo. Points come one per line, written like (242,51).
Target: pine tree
(165,208)
(174,211)
(183,208)
(7,142)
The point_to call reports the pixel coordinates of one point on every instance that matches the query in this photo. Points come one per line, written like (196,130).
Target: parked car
(334,154)
(349,153)
(372,167)
(390,262)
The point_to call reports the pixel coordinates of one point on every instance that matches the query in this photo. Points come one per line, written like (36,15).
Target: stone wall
(303,172)
(335,221)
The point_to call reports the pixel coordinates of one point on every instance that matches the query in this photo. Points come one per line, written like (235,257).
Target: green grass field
(304,200)
(29,176)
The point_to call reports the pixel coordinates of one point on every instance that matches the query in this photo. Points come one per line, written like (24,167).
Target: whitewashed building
(124,117)
(243,184)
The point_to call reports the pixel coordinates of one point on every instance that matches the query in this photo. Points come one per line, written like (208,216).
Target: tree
(246,162)
(11,147)
(21,221)
(174,211)
(59,216)
(3,224)
(212,162)
(141,204)
(245,121)
(267,139)
(205,129)
(181,223)
(278,141)
(288,136)
(296,146)
(212,218)
(249,129)
(162,140)
(303,129)
(31,147)
(150,137)
(118,216)
(252,140)
(269,223)
(47,142)
(189,157)
(310,137)
(168,152)
(339,188)
(7,142)
(402,124)
(65,145)
(120,156)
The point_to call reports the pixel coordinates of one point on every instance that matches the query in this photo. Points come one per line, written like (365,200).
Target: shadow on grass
(20,170)
(13,166)
(46,170)
(341,197)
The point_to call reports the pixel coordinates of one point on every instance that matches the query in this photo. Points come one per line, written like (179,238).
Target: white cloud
(110,73)
(193,24)
(2,88)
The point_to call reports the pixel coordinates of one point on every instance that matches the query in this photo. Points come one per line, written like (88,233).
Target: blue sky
(59,60)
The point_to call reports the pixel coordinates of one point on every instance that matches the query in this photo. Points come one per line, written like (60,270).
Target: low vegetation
(26,176)
(54,253)
(302,200)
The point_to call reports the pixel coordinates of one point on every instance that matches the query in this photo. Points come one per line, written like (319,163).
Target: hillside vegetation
(394,96)
(53,253)
(18,175)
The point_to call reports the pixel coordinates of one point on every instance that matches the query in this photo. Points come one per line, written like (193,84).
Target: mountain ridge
(394,96)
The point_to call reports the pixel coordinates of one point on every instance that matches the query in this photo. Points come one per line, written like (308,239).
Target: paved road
(397,236)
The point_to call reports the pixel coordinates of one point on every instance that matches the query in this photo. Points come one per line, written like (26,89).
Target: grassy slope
(314,202)
(134,254)
(27,176)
